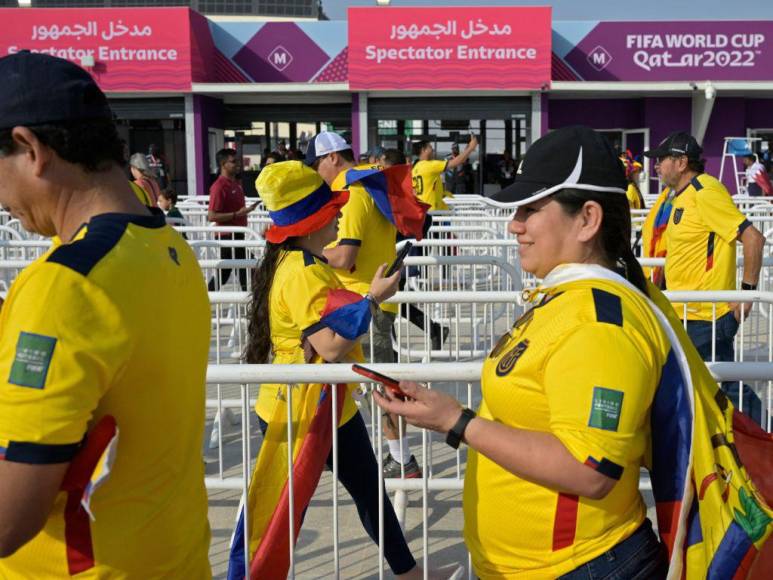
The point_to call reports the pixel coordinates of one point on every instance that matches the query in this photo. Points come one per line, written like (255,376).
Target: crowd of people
(101,430)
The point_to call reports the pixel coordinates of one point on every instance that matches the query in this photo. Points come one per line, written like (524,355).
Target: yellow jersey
(362,225)
(635,199)
(298,295)
(554,373)
(80,340)
(428,183)
(141,194)
(700,241)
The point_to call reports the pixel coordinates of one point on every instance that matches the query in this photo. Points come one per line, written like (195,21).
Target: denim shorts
(639,557)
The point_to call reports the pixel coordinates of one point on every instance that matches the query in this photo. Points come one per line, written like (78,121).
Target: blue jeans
(699,332)
(639,557)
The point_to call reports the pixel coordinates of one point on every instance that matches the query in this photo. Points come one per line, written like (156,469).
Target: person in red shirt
(227,208)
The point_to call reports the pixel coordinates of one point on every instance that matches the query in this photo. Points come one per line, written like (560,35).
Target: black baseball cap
(38,88)
(677,143)
(574,157)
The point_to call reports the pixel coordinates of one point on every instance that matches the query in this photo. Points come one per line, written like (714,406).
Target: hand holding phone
(392,385)
(398,263)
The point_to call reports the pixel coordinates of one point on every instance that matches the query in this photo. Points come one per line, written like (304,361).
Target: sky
(598,9)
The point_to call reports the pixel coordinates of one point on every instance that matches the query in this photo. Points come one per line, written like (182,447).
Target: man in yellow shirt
(428,172)
(101,389)
(366,239)
(700,239)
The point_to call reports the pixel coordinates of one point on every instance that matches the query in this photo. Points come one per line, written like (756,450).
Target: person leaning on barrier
(700,240)
(292,320)
(564,422)
(79,361)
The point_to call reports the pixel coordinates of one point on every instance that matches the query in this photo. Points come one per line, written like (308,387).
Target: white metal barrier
(466,374)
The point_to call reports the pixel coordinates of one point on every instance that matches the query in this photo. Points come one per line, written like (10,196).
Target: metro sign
(599,58)
(280,58)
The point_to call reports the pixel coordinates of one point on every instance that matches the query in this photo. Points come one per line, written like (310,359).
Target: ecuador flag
(392,191)
(268,501)
(711,515)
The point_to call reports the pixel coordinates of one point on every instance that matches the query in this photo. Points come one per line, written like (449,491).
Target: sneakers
(392,468)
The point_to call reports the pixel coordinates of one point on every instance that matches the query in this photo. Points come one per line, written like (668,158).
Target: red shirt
(227,196)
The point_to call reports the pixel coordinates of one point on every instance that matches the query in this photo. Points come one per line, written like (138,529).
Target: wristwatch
(456,434)
(747,286)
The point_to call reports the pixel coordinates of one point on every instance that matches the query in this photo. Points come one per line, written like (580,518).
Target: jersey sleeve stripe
(605,467)
(710,252)
(744,224)
(40,453)
(565,521)
(350,242)
(316,327)
(609,309)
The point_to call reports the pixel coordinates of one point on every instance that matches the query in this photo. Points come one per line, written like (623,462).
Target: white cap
(323,144)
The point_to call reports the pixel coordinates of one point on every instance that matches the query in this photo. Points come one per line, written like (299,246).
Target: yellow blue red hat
(298,200)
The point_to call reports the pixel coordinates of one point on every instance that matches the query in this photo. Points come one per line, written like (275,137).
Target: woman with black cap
(563,426)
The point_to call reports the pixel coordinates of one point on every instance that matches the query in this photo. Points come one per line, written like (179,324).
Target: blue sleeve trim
(608,307)
(39,453)
(314,328)
(350,242)
(744,224)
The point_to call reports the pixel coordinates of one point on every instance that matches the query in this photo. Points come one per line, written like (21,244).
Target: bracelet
(456,434)
(747,286)
(370,298)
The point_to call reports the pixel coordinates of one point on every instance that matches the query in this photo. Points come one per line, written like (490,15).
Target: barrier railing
(436,375)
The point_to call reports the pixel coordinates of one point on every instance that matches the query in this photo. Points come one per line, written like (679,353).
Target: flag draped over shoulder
(653,242)
(392,190)
(268,501)
(711,515)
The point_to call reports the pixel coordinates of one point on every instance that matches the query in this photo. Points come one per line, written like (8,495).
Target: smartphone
(398,263)
(393,385)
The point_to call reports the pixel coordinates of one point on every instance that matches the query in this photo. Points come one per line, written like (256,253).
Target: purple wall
(728,119)
(596,113)
(207,112)
(759,113)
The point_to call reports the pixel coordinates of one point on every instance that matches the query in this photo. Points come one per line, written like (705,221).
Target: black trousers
(225,273)
(358,473)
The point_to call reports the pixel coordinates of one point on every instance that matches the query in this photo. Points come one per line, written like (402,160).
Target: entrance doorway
(637,141)
(500,124)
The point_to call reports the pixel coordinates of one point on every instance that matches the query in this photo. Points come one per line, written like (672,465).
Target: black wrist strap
(747,286)
(456,434)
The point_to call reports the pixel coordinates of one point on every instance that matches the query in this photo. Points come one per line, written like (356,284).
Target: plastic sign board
(449,48)
(669,51)
(137,49)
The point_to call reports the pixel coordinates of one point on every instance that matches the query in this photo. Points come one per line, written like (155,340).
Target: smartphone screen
(393,385)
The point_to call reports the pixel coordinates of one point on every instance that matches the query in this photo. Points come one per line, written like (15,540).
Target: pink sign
(137,49)
(449,48)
